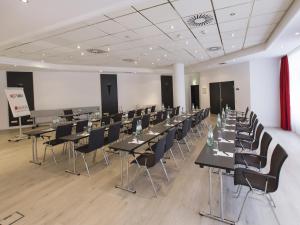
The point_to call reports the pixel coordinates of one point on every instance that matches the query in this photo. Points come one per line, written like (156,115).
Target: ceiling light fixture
(15,65)
(135,62)
(82,53)
(214,49)
(152,63)
(232,35)
(108,49)
(96,51)
(200,20)
(297,33)
(165,55)
(150,48)
(78,46)
(172,27)
(25,1)
(232,14)
(186,42)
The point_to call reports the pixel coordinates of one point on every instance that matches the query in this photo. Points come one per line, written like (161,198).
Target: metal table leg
(74,172)
(210,215)
(124,186)
(34,151)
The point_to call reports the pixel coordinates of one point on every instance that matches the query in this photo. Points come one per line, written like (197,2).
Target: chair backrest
(158,117)
(264,147)
(68,112)
(145,121)
(105,120)
(131,114)
(146,110)
(134,123)
(138,112)
(96,139)
(173,112)
(251,115)
(63,130)
(246,112)
(254,117)
(114,132)
(177,110)
(258,133)
(80,125)
(185,127)
(153,108)
(160,149)
(165,114)
(278,157)
(170,139)
(254,125)
(117,117)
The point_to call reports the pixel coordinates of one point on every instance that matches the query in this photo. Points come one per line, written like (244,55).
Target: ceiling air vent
(200,20)
(214,49)
(96,51)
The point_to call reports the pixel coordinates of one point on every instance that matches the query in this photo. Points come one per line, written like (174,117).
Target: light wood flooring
(46,195)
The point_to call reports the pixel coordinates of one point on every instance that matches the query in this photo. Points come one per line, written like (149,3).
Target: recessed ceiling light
(43,54)
(172,27)
(108,49)
(152,63)
(232,35)
(158,59)
(186,42)
(78,46)
(15,65)
(135,62)
(203,32)
(214,48)
(232,46)
(232,14)
(297,33)
(196,51)
(25,1)
(165,55)
(150,48)
(82,53)
(234,60)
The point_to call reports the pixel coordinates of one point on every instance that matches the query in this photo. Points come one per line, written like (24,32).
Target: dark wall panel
(167,91)
(24,80)
(109,93)
(195,95)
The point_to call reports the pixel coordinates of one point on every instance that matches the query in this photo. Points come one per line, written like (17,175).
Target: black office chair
(61,131)
(105,120)
(96,141)
(153,108)
(247,122)
(132,128)
(145,121)
(263,184)
(69,114)
(165,115)
(244,115)
(150,159)
(171,135)
(138,112)
(131,114)
(250,135)
(254,160)
(158,117)
(113,133)
(249,127)
(117,117)
(147,110)
(181,134)
(80,125)
(250,144)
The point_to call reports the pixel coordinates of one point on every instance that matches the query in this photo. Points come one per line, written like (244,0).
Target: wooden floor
(49,196)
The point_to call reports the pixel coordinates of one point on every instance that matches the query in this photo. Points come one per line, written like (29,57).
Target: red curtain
(285,94)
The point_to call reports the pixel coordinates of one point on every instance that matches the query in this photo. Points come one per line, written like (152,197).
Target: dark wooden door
(227,94)
(167,91)
(195,95)
(25,81)
(109,93)
(214,93)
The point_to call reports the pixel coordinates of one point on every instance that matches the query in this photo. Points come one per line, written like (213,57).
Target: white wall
(239,73)
(265,90)
(53,90)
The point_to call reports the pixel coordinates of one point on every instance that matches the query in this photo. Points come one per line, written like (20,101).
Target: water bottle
(193,107)
(219,122)
(90,124)
(162,107)
(210,137)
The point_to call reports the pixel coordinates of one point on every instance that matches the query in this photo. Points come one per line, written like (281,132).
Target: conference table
(130,144)
(220,156)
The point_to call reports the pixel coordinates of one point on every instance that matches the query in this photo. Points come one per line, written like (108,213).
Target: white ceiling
(153,33)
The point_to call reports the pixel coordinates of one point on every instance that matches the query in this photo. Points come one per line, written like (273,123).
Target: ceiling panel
(133,21)
(148,4)
(266,19)
(233,25)
(191,7)
(160,13)
(233,34)
(219,4)
(206,30)
(234,13)
(262,30)
(184,34)
(265,6)
(110,27)
(97,19)
(172,26)
(147,31)
(121,12)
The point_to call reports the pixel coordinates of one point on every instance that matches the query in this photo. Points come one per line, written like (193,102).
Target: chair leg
(238,192)
(44,158)
(272,205)
(105,157)
(53,155)
(271,201)
(243,204)
(187,145)
(164,169)
(86,166)
(94,157)
(150,178)
(173,157)
(180,150)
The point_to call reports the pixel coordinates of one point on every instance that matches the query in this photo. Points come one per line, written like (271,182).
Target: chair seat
(54,142)
(243,144)
(243,129)
(256,179)
(147,157)
(247,159)
(244,137)
(83,149)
